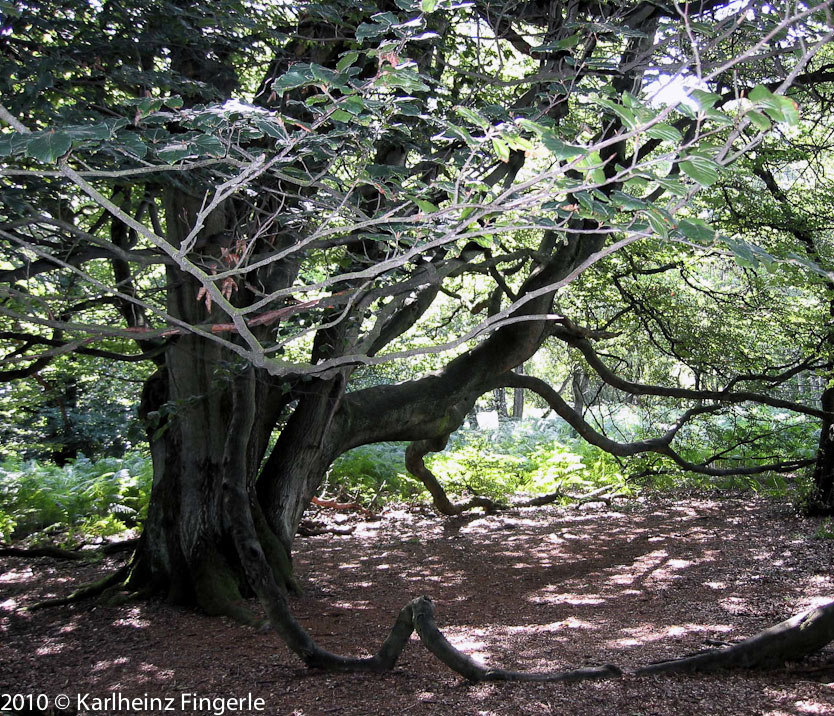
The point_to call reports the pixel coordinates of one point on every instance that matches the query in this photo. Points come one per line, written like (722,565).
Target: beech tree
(266,201)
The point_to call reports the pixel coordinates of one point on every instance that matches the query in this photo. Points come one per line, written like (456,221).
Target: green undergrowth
(532,457)
(83,498)
(535,457)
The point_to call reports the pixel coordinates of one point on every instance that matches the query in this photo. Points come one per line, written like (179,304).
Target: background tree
(267,199)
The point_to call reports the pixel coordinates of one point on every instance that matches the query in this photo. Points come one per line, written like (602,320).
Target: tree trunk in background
(518,397)
(579,384)
(500,397)
(821,501)
(59,426)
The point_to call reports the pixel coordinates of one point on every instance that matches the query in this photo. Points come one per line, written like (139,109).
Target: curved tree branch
(569,334)
(660,445)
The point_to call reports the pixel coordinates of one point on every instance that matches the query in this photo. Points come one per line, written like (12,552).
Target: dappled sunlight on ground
(133,619)
(544,589)
(647,633)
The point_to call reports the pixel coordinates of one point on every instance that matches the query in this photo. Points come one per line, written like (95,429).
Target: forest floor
(541,589)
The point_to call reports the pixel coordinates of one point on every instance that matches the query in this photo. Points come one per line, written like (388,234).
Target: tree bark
(307,446)
(821,501)
(193,410)
(518,397)
(789,640)
(499,396)
(186,549)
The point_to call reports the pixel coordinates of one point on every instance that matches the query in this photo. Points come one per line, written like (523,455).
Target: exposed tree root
(86,592)
(123,546)
(336,505)
(417,615)
(541,500)
(415,464)
(789,640)
(55,552)
(422,612)
(309,528)
(69,554)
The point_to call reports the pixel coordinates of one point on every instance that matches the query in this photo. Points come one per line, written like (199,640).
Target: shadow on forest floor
(535,589)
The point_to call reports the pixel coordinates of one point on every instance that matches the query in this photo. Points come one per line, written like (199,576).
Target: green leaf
(659,221)
(156,135)
(697,230)
(702,170)
(175,151)
(758,120)
(453,130)
(592,164)
(353,104)
(298,76)
(627,201)
(673,186)
(80,133)
(133,144)
(625,114)
(347,60)
(147,105)
(174,102)
(405,79)
(339,115)
(12,143)
(516,142)
(47,147)
(424,36)
(502,151)
(789,109)
(666,132)
(326,76)
(428,6)
(472,116)
(778,107)
(718,117)
(760,94)
(567,43)
(382,23)
(271,128)
(407,108)
(10,9)
(534,127)
(705,100)
(206,144)
(742,251)
(637,184)
(560,149)
(585,200)
(426,207)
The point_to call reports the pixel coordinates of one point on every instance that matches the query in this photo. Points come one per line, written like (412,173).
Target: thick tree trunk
(821,501)
(189,548)
(579,384)
(193,411)
(307,446)
(186,549)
